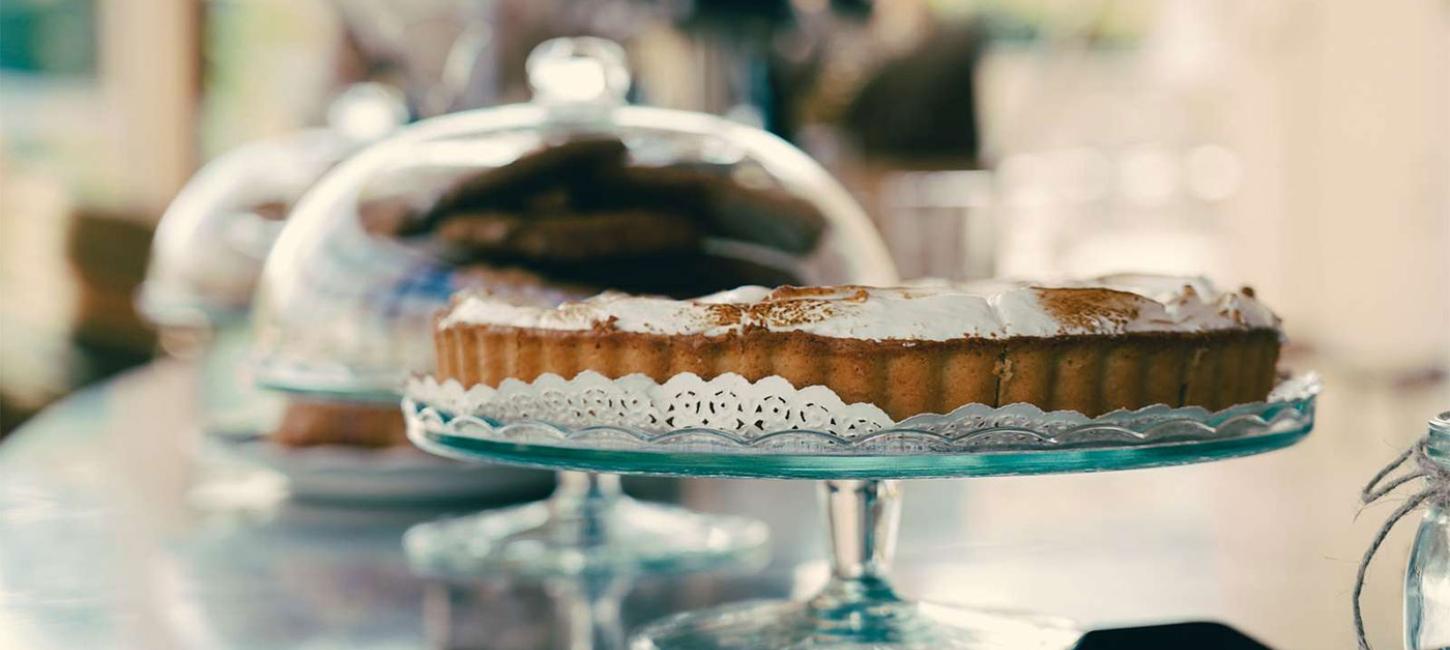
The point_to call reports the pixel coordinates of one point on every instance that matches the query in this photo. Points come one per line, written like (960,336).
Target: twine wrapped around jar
(1436,492)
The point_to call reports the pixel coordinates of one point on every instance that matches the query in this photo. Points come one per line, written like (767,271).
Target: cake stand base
(876,624)
(587,526)
(857,609)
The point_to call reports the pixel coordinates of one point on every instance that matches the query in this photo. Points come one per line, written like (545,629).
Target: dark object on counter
(1179,636)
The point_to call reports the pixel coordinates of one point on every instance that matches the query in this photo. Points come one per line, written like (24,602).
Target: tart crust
(1093,374)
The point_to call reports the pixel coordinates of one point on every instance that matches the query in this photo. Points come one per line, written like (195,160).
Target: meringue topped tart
(1116,342)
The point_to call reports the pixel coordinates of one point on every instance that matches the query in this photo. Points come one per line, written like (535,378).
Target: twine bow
(1435,491)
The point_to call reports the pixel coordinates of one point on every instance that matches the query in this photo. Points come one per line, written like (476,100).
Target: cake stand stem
(857,608)
(588,610)
(581,503)
(588,525)
(863,518)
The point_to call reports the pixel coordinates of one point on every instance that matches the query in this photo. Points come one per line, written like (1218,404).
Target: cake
(570,238)
(310,422)
(1124,341)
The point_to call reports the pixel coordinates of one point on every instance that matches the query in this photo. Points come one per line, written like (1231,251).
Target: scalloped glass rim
(335,382)
(1150,437)
(338,391)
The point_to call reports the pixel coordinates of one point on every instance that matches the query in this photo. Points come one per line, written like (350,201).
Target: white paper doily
(771,415)
(352,474)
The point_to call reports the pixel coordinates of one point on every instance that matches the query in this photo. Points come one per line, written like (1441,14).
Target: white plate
(397,474)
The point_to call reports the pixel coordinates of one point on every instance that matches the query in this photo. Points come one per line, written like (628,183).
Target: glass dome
(214,237)
(567,195)
(216,234)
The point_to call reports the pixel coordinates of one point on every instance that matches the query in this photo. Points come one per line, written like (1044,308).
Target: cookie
(569,237)
(532,178)
(678,276)
(769,216)
(724,206)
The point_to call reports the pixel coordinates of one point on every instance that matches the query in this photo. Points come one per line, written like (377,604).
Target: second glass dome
(212,240)
(562,197)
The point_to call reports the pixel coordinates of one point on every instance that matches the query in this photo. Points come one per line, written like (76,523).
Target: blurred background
(1302,147)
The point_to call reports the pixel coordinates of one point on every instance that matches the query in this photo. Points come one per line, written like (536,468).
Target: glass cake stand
(860,473)
(588,525)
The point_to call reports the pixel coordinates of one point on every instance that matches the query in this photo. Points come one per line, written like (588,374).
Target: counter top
(117,530)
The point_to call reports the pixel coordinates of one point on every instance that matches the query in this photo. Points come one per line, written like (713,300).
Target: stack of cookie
(580,212)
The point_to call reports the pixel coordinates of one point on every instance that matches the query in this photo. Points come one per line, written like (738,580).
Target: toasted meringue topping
(991,309)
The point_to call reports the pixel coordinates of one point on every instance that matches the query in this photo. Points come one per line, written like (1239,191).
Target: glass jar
(1427,578)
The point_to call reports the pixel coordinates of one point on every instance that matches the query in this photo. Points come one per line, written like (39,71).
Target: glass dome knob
(367,111)
(578,70)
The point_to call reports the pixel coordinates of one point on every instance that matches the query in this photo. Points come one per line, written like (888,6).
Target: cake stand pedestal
(858,607)
(588,525)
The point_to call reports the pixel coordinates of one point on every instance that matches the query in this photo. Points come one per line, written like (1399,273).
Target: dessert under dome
(537,203)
